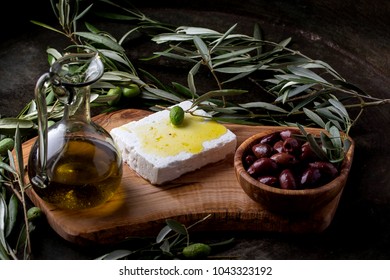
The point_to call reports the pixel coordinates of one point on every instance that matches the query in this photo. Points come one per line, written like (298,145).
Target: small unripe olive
(34,213)
(176,115)
(131,91)
(196,250)
(5,145)
(116,93)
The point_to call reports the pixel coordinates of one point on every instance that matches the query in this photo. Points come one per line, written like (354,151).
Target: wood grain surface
(139,208)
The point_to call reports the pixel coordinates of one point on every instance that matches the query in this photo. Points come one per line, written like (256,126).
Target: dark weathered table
(352,36)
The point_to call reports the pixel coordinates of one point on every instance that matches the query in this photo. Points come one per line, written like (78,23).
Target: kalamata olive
(326,168)
(311,177)
(287,180)
(262,166)
(262,150)
(291,145)
(270,139)
(249,159)
(268,180)
(284,134)
(284,159)
(278,146)
(307,153)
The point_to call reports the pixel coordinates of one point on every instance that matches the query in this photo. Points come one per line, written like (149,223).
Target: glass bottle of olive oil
(74,164)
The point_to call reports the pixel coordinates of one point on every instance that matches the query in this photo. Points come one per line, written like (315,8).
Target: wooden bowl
(286,200)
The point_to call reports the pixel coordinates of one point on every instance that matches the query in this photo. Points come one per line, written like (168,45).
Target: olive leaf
(176,226)
(316,147)
(8,125)
(116,255)
(339,108)
(326,141)
(220,40)
(192,30)
(8,168)
(203,50)
(3,218)
(104,40)
(47,26)
(185,91)
(304,72)
(3,253)
(19,157)
(264,105)
(163,233)
(190,78)
(163,95)
(216,93)
(12,214)
(315,117)
(165,247)
(176,56)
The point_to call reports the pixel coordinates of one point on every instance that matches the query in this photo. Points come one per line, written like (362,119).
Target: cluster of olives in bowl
(280,159)
(278,169)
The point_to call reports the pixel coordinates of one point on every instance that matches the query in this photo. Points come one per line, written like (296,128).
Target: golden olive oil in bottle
(83,173)
(74,164)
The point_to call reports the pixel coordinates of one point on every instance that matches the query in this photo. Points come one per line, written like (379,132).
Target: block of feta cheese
(161,152)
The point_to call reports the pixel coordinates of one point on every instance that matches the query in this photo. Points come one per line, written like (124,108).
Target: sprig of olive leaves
(12,178)
(294,84)
(298,84)
(172,242)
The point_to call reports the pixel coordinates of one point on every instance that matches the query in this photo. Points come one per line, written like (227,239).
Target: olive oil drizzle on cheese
(162,138)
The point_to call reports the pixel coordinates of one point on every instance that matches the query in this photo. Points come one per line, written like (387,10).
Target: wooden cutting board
(139,208)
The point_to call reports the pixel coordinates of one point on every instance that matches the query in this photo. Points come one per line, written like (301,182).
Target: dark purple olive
(291,145)
(281,151)
(268,180)
(284,159)
(307,153)
(278,146)
(311,177)
(287,180)
(249,159)
(262,166)
(270,139)
(262,150)
(325,168)
(284,134)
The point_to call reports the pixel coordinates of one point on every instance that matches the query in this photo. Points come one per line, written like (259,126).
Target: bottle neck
(78,109)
